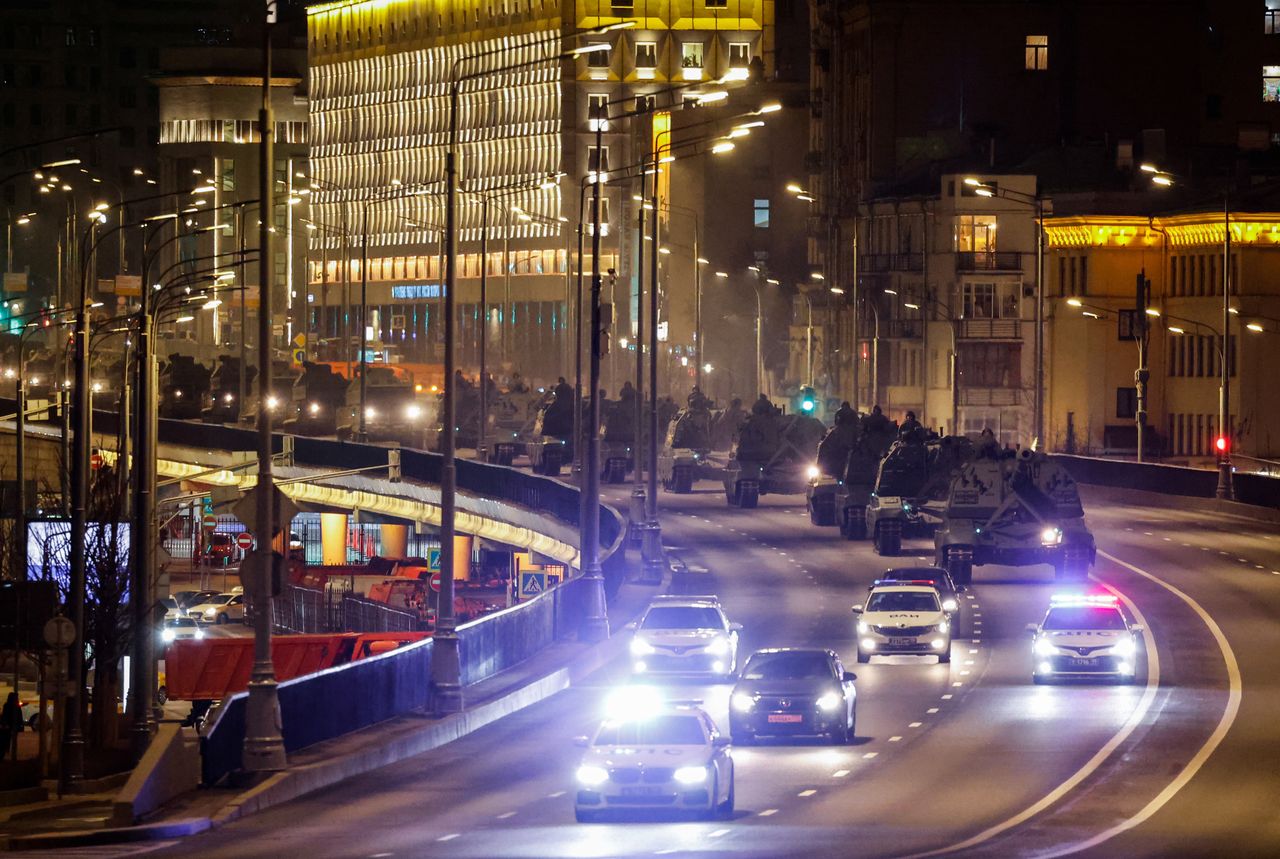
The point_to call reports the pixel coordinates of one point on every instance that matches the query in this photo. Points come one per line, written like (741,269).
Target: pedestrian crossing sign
(532,584)
(433,560)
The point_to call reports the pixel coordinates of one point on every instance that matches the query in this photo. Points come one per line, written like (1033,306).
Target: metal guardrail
(1256,489)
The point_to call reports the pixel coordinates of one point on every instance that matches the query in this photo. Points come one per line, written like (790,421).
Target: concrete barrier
(169,768)
(1252,489)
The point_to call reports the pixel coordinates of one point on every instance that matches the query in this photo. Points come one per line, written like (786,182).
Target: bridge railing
(1256,489)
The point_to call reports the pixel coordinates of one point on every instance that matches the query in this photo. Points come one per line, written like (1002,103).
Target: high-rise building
(528,118)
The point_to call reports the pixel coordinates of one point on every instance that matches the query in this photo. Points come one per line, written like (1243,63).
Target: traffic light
(808,400)
(1221,444)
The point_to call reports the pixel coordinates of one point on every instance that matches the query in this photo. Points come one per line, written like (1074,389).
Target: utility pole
(263,743)
(1141,375)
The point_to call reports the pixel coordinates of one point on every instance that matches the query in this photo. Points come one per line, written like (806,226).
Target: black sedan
(935,577)
(793,692)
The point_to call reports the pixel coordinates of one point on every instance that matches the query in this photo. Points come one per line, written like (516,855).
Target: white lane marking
(958,683)
(718,833)
(869,755)
(947,697)
(915,724)
(558,793)
(1243,560)
(973,650)
(932,710)
(1167,539)
(809,792)
(1235,692)
(1204,548)
(449,837)
(506,814)
(1259,567)
(895,739)
(839,773)
(1221,552)
(769,812)
(1134,720)
(380,855)
(964,673)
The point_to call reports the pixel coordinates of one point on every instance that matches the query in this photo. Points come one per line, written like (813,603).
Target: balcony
(990,329)
(902,329)
(989,261)
(990,396)
(879,263)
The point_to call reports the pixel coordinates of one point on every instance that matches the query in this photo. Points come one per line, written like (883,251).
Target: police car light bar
(1059,600)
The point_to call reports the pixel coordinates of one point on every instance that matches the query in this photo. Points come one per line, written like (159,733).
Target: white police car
(1084,636)
(654,755)
(903,619)
(684,634)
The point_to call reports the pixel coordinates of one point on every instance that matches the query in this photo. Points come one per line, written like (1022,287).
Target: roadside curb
(118,835)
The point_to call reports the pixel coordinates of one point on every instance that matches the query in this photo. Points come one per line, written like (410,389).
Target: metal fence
(366,616)
(300,610)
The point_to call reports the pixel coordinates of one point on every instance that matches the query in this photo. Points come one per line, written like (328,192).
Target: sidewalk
(81,820)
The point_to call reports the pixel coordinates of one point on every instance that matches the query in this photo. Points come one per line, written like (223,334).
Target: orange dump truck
(213,668)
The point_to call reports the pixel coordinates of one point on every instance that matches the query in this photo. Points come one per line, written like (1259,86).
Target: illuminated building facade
(379,111)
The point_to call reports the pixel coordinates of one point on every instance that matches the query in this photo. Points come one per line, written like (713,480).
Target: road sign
(244,541)
(300,340)
(532,584)
(299,356)
(435,581)
(209,521)
(433,560)
(95,461)
(246,509)
(59,632)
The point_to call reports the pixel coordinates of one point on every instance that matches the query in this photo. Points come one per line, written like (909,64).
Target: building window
(1037,59)
(597,159)
(979,301)
(1271,18)
(604,215)
(717,4)
(128,97)
(761,214)
(1271,83)
(598,59)
(622,4)
(644,104)
(1126,403)
(598,112)
(990,365)
(646,55)
(691,56)
(739,55)
(976,233)
(71,37)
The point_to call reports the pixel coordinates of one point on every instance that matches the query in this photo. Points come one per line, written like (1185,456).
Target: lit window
(761,214)
(1271,18)
(691,54)
(1271,83)
(1037,53)
(976,233)
(739,54)
(598,112)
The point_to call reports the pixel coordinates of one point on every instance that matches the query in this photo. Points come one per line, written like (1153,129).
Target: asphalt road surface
(969,758)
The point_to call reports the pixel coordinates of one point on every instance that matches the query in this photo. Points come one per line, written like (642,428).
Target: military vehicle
(318,396)
(106,377)
(222,403)
(618,443)
(550,443)
(773,454)
(682,459)
(1014,509)
(392,409)
(511,416)
(914,477)
(826,475)
(183,385)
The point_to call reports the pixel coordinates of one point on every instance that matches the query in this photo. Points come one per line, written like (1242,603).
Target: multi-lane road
(969,758)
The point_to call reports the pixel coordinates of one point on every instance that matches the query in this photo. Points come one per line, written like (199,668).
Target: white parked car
(903,619)
(669,757)
(180,628)
(219,609)
(685,634)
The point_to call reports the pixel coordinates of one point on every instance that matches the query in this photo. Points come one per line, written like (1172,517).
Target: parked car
(219,609)
(220,550)
(190,599)
(180,628)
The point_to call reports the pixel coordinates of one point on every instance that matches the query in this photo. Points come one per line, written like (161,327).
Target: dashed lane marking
(947,697)
(895,739)
(809,792)
(718,833)
(506,814)
(839,773)
(932,710)
(555,795)
(869,755)
(449,837)
(915,724)
(769,812)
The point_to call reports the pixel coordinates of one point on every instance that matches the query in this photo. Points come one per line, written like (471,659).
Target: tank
(773,455)
(618,441)
(393,410)
(1013,509)
(222,403)
(316,399)
(913,477)
(827,474)
(682,459)
(512,414)
(550,442)
(183,385)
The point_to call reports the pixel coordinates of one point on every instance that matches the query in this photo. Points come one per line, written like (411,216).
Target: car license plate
(1083,662)
(785,718)
(643,790)
(901,642)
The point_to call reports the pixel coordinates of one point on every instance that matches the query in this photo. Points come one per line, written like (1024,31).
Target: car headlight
(413,412)
(1051,536)
(719,647)
(944,627)
(949,605)
(272,402)
(812,472)
(828,703)
(314,408)
(691,775)
(1124,647)
(168,635)
(742,702)
(199,633)
(863,627)
(592,776)
(227,398)
(210,613)
(640,647)
(1044,647)
(370,413)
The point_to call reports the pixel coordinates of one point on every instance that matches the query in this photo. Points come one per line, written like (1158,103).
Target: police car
(1084,636)
(685,634)
(653,754)
(903,619)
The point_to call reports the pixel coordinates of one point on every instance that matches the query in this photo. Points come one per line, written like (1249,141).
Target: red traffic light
(1221,443)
